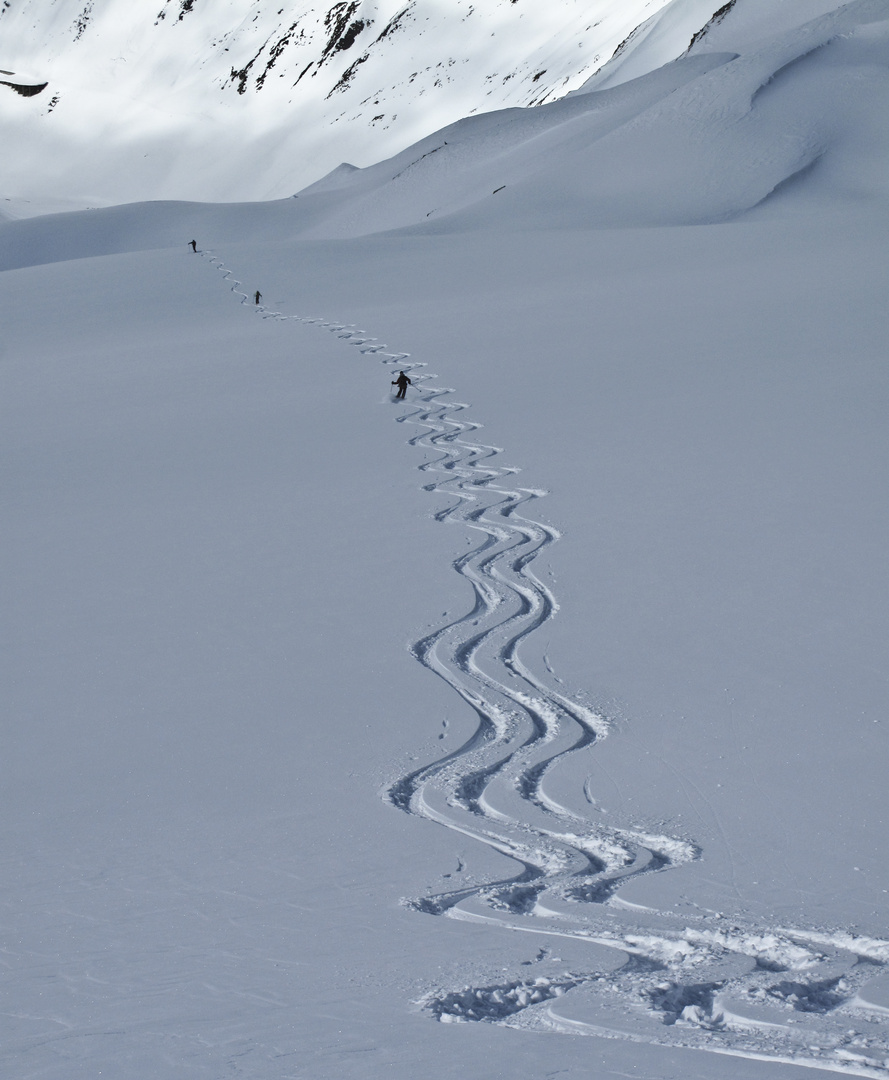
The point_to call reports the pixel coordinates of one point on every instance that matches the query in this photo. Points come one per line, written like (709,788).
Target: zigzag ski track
(809,997)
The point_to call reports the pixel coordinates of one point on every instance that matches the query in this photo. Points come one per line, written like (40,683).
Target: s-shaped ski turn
(810,997)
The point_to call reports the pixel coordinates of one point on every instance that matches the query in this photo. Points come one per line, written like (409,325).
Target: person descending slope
(257,296)
(402,382)
(194,246)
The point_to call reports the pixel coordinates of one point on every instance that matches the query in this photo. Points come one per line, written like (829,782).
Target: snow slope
(649,708)
(255,99)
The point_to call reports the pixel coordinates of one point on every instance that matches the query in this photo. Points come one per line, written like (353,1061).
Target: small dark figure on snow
(257,297)
(402,382)
(194,245)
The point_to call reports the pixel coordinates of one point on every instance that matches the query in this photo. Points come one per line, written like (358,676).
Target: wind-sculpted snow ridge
(815,998)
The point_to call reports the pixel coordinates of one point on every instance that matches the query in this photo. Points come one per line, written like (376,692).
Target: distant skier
(194,246)
(402,382)
(257,297)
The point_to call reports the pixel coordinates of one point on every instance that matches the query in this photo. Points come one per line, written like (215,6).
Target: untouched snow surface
(298,782)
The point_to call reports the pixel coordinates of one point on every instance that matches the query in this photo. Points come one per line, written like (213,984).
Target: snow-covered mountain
(729,125)
(214,99)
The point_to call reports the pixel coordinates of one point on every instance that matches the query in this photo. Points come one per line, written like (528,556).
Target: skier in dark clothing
(257,297)
(194,245)
(402,382)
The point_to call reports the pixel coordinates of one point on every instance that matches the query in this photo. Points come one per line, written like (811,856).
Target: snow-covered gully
(810,997)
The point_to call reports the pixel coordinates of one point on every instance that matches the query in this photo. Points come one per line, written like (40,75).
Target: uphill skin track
(714,983)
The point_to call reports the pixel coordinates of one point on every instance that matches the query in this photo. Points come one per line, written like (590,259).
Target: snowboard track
(723,984)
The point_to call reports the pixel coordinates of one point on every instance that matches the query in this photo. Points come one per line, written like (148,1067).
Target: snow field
(715,497)
(221,767)
(729,1009)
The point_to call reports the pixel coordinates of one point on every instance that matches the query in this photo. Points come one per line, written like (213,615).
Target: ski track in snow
(709,982)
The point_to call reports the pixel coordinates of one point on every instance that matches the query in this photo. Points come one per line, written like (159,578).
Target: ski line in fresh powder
(718,983)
